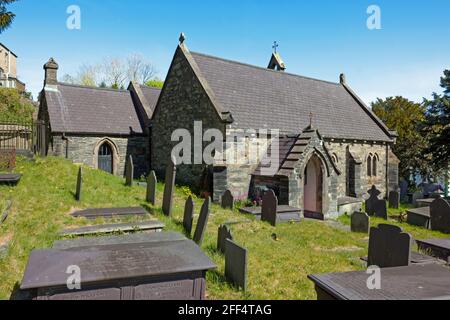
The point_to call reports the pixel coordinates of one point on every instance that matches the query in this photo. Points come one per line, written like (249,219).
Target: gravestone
(188,218)
(389,247)
(416,196)
(375,206)
(129,171)
(202,221)
(169,187)
(236,264)
(227,200)
(394,199)
(269,208)
(151,188)
(440,216)
(403,189)
(223,235)
(79,184)
(360,222)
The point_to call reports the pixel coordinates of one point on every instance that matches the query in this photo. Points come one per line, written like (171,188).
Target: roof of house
(151,94)
(7,49)
(260,98)
(78,109)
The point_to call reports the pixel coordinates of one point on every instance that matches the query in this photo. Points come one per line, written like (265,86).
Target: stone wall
(183,102)
(83,149)
(343,151)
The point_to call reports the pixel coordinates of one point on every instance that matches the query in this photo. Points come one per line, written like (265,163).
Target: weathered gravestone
(440,216)
(416,196)
(227,200)
(223,235)
(188,217)
(389,247)
(129,171)
(202,221)
(79,184)
(394,199)
(151,188)
(403,189)
(236,264)
(360,222)
(169,187)
(167,270)
(269,208)
(375,206)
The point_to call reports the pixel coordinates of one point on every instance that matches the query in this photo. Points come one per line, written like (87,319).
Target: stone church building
(97,127)
(332,147)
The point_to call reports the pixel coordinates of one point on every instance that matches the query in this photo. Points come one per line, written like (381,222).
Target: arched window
(374,166)
(369,165)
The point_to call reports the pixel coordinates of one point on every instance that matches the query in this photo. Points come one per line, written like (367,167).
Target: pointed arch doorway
(105,158)
(313,189)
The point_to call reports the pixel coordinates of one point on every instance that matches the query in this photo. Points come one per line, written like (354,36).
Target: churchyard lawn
(278,265)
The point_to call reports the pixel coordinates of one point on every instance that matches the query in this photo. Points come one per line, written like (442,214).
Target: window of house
(369,165)
(374,166)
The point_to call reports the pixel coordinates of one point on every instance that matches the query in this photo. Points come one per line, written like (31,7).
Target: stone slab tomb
(109,213)
(79,184)
(236,264)
(202,221)
(439,248)
(360,222)
(10,178)
(148,226)
(419,217)
(152,183)
(374,206)
(169,187)
(188,217)
(129,171)
(440,216)
(224,234)
(389,247)
(168,270)
(227,200)
(394,199)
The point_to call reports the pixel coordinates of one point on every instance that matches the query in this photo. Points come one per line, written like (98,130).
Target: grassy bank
(44,199)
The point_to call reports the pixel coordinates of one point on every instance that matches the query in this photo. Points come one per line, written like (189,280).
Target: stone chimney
(51,73)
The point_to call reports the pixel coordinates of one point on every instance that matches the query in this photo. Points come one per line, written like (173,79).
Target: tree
(113,72)
(139,70)
(6,17)
(407,118)
(155,83)
(88,75)
(14,107)
(438,125)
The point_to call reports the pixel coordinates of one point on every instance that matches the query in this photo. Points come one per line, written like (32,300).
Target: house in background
(97,127)
(332,150)
(8,70)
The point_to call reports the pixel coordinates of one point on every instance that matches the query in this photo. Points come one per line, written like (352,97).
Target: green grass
(277,269)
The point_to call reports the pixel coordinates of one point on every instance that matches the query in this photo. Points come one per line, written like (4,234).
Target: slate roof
(260,98)
(78,109)
(151,95)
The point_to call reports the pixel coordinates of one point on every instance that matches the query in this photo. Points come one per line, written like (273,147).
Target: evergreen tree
(6,17)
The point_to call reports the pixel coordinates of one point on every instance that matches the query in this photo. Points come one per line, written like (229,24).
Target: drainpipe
(64,138)
(387,171)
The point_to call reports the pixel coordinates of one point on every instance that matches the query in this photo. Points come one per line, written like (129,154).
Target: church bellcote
(276,63)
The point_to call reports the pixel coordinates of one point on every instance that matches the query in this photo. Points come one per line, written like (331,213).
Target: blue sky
(318,39)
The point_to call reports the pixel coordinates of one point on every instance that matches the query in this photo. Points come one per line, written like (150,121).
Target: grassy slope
(277,269)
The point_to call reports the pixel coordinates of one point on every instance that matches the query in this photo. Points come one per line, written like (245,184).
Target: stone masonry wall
(183,101)
(82,149)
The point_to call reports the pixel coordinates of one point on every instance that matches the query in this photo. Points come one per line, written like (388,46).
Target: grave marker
(416,196)
(360,222)
(394,199)
(202,221)
(129,171)
(152,182)
(79,184)
(440,216)
(269,208)
(375,206)
(227,200)
(223,235)
(389,247)
(188,218)
(169,187)
(236,264)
